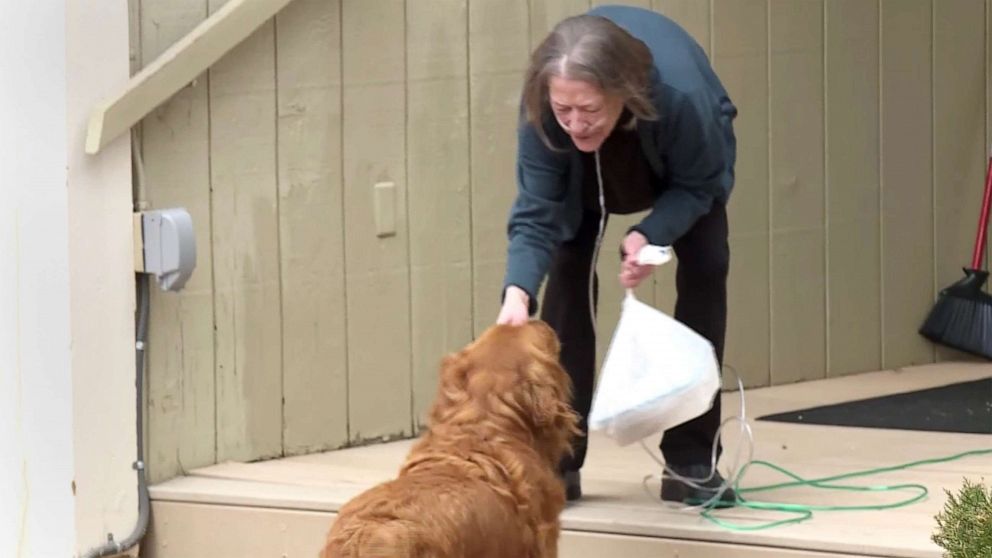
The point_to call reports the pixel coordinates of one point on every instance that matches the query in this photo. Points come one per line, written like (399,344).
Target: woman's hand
(631,272)
(516,304)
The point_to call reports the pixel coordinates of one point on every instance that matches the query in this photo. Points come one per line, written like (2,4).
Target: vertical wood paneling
(907,187)
(797,207)
(377,268)
(545,14)
(180,354)
(314,365)
(859,171)
(740,57)
(693,15)
(498,51)
(959,136)
(640,3)
(852,167)
(246,248)
(438,175)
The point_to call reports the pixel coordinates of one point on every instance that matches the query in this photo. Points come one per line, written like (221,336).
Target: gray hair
(595,50)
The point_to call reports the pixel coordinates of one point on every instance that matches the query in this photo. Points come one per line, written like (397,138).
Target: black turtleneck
(629,185)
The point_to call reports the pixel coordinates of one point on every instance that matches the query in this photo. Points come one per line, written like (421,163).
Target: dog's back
(372,539)
(426,516)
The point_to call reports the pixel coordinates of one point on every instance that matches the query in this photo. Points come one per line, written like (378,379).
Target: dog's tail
(393,538)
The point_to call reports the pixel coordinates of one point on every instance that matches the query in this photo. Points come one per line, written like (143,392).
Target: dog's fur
(482,481)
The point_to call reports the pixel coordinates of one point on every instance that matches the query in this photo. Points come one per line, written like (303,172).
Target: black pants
(701,304)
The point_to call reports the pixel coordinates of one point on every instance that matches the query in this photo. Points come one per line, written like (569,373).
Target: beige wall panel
(641,3)
(378,282)
(545,14)
(246,250)
(295,298)
(907,186)
(498,51)
(960,156)
(311,235)
(740,56)
(180,356)
(852,167)
(694,15)
(797,268)
(438,176)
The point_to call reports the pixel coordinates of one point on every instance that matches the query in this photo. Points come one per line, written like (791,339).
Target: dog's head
(510,376)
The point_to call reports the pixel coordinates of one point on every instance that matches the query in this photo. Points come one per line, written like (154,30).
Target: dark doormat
(964,407)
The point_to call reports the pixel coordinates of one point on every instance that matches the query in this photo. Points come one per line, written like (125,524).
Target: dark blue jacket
(691,147)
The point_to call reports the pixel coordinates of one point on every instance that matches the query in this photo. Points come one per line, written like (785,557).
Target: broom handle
(983,220)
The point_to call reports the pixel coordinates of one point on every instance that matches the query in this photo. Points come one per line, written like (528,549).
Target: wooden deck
(282,508)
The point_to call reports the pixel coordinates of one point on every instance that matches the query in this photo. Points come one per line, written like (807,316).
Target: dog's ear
(453,371)
(554,421)
(548,403)
(544,404)
(452,385)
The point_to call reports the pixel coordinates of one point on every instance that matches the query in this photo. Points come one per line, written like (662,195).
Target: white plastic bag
(658,373)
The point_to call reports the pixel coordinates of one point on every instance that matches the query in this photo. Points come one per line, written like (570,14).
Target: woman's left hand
(631,272)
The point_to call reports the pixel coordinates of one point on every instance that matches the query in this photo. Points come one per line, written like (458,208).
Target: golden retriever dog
(482,481)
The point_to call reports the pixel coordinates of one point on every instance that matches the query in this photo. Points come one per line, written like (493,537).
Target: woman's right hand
(516,304)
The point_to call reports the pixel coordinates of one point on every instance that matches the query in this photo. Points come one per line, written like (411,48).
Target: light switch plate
(384,206)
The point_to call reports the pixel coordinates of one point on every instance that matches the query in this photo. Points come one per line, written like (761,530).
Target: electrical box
(168,246)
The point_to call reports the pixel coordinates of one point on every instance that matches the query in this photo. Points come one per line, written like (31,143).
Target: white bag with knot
(657,373)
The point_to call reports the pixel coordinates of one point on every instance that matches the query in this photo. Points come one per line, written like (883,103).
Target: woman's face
(584,111)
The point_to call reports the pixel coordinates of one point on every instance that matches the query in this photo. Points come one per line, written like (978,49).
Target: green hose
(803,512)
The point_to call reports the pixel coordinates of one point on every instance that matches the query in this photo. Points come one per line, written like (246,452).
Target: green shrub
(964,527)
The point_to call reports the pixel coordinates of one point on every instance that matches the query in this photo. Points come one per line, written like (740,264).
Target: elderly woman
(622,113)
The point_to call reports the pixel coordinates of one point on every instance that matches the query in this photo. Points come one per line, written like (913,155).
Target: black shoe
(573,485)
(674,490)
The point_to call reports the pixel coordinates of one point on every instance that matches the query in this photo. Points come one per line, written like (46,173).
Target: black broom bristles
(962,317)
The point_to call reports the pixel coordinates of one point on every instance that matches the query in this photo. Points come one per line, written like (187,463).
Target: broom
(962,317)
